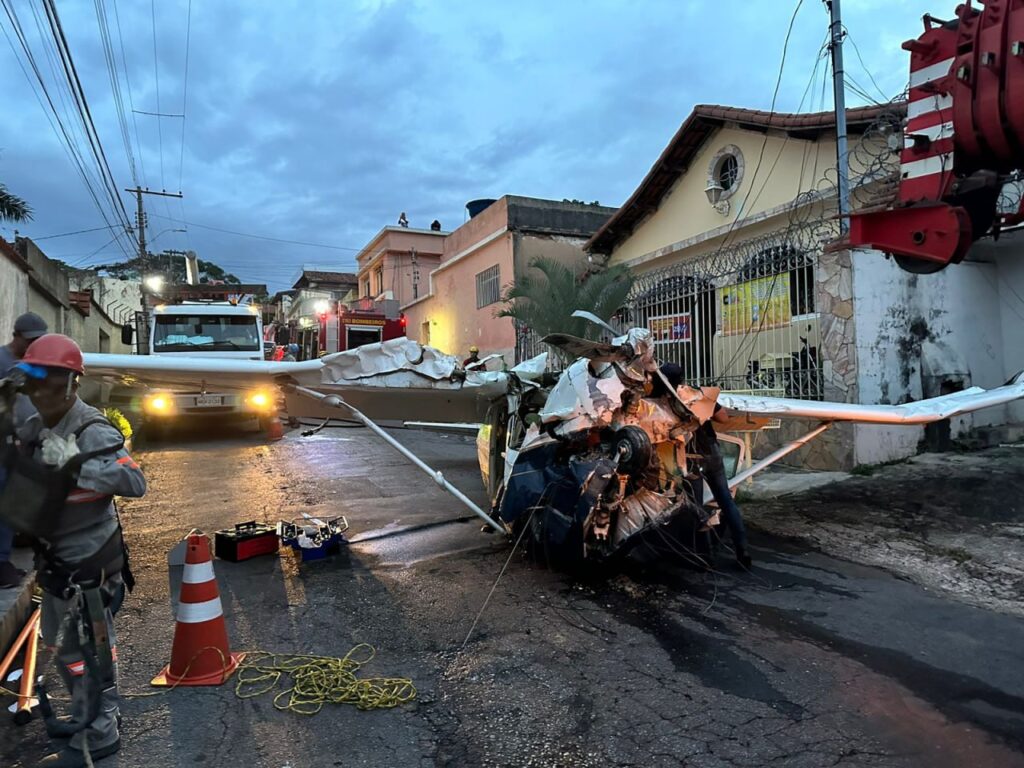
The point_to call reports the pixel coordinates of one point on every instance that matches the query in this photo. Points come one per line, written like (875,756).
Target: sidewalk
(15,602)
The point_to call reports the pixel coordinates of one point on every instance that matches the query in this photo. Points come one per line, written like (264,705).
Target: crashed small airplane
(584,464)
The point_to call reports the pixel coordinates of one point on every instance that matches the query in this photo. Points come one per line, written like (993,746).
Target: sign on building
(755,305)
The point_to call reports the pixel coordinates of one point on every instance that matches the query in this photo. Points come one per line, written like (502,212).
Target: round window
(725,171)
(728,172)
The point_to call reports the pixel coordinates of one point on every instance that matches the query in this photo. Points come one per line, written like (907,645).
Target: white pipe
(334,401)
(767,461)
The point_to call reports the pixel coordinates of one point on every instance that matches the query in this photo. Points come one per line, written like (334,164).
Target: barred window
(488,286)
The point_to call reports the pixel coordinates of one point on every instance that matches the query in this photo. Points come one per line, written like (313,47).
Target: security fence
(746,321)
(753,328)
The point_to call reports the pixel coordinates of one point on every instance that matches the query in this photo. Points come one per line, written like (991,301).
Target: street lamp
(155,283)
(164,232)
(714,192)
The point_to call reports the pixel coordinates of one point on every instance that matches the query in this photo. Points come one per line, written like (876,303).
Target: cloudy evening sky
(320,121)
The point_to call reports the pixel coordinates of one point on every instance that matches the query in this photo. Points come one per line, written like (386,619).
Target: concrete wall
(962,325)
(13,292)
(48,286)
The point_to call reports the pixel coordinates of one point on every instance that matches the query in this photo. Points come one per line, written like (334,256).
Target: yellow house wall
(788,167)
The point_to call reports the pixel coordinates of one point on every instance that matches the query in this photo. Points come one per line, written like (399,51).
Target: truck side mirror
(127,333)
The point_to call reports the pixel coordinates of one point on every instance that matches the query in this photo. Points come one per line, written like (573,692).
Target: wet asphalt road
(808,661)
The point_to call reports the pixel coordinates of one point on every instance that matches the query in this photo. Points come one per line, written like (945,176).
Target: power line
(184,93)
(68,234)
(156,70)
(115,84)
(82,106)
(59,128)
(131,100)
(856,50)
(262,237)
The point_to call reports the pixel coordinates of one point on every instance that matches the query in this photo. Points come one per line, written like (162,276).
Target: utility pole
(839,97)
(140,219)
(140,226)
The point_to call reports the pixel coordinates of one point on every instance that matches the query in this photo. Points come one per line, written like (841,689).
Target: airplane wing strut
(334,401)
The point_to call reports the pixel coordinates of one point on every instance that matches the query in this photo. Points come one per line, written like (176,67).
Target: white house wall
(955,316)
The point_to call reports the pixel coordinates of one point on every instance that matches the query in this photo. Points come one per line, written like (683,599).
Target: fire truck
(340,327)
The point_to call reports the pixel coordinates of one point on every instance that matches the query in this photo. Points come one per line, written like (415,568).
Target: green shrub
(118,419)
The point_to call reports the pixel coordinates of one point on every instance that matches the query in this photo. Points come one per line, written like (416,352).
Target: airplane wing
(393,381)
(229,374)
(920,412)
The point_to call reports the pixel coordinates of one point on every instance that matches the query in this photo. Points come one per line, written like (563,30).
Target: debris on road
(313,538)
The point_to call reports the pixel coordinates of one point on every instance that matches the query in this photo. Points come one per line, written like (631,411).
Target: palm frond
(12,207)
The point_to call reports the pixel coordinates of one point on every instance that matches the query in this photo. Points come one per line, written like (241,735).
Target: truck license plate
(208,400)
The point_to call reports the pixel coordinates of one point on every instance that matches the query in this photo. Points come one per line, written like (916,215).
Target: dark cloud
(321,121)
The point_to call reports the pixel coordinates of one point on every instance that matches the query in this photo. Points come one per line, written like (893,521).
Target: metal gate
(751,327)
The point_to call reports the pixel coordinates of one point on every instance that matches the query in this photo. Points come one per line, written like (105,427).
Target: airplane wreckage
(585,463)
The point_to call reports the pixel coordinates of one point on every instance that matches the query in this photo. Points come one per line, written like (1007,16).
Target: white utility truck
(205,329)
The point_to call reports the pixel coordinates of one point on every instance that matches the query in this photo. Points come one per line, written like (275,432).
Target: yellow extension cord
(314,681)
(318,680)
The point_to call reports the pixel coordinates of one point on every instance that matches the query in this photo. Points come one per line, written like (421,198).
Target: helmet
(54,350)
(474,348)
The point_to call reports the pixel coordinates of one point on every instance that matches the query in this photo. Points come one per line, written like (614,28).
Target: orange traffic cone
(275,431)
(200,653)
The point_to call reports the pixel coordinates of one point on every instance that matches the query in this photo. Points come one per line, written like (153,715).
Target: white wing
(920,412)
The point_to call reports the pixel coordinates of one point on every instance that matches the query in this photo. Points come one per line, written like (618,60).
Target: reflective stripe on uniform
(197,613)
(77,668)
(197,573)
(129,461)
(83,496)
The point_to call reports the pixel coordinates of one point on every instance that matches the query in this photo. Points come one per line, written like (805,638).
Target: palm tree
(12,207)
(543,299)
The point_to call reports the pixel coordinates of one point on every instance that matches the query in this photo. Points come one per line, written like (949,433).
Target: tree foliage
(12,207)
(171,266)
(544,298)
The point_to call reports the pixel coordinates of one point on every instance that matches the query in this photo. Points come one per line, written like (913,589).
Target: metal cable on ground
(317,680)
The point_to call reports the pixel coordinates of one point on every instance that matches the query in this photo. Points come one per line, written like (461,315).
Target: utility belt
(34,496)
(60,579)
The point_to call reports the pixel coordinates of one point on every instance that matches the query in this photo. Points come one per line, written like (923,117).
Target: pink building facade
(395,264)
(459,302)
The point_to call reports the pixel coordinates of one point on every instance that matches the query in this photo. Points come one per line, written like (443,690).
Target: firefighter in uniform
(82,564)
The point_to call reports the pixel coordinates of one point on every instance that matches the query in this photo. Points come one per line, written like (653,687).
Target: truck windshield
(193,333)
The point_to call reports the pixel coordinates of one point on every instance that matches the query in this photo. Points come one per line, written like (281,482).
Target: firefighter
(82,566)
(474,357)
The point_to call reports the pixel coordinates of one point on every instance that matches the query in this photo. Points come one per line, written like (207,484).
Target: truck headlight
(260,400)
(157,404)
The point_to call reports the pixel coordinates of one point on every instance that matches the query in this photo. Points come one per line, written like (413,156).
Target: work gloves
(58,451)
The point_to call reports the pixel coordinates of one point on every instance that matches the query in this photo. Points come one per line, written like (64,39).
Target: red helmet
(55,350)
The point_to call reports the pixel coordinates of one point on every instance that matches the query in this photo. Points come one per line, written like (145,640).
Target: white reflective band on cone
(197,613)
(198,573)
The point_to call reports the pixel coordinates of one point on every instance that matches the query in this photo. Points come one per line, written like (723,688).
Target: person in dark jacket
(27,328)
(712,467)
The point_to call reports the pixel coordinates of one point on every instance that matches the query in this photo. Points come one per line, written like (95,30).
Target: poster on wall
(755,305)
(671,328)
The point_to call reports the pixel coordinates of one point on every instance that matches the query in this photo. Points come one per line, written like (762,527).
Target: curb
(16,603)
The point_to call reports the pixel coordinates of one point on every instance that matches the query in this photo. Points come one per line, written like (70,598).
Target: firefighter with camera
(64,465)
